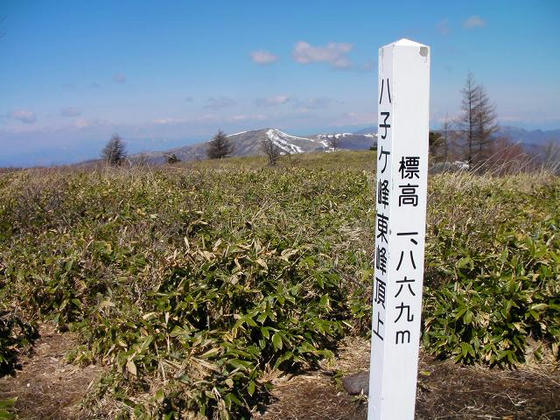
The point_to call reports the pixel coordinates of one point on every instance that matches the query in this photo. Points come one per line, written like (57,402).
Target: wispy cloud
(95,85)
(263,57)
(119,77)
(273,100)
(219,102)
(23,115)
(70,112)
(334,53)
(474,22)
(443,26)
(189,99)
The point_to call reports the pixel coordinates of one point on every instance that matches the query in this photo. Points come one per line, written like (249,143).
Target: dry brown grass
(445,390)
(47,387)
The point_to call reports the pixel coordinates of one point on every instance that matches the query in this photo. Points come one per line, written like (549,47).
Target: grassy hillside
(350,160)
(193,282)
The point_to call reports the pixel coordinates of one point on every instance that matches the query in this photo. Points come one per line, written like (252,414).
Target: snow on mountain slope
(351,141)
(336,135)
(285,141)
(249,143)
(236,134)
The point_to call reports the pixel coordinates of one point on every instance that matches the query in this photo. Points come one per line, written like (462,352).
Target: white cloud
(273,100)
(23,115)
(70,112)
(119,77)
(474,22)
(263,57)
(219,102)
(443,26)
(334,53)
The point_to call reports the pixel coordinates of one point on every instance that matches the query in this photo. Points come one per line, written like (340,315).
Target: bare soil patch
(46,386)
(445,391)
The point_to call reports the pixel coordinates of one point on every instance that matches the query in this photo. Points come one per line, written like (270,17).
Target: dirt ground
(47,387)
(445,391)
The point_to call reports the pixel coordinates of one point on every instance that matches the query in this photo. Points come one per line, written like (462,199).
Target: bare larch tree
(477,121)
(485,124)
(468,105)
(271,150)
(333,141)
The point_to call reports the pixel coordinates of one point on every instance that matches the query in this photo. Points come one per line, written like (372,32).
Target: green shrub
(15,335)
(195,284)
(492,281)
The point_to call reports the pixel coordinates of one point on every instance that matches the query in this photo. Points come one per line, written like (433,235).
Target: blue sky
(167,73)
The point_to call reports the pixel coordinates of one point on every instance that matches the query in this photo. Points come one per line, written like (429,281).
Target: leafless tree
(477,122)
(271,150)
(333,141)
(446,138)
(485,124)
(467,120)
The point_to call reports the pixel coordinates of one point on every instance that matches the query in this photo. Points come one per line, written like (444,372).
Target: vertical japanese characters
(384,142)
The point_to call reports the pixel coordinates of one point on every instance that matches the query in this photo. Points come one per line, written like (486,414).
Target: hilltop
(248,143)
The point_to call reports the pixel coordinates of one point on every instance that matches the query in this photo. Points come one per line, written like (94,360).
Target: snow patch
(236,134)
(282,140)
(288,136)
(336,136)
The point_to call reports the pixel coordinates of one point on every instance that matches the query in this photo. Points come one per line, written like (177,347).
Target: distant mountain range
(530,137)
(514,134)
(248,143)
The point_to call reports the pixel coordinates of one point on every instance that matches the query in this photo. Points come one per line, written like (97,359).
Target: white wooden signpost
(402,169)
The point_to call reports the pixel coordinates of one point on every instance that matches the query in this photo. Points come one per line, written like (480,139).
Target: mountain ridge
(248,143)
